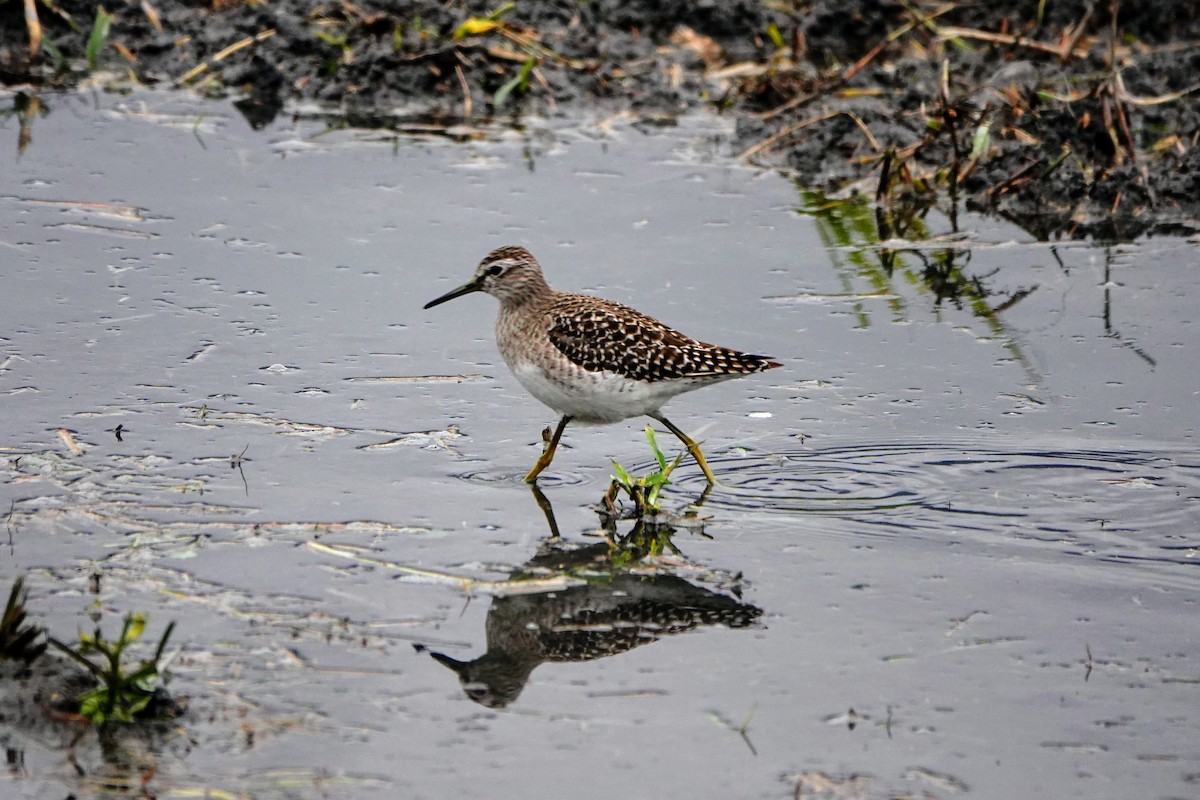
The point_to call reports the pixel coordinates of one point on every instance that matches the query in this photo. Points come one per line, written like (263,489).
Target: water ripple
(1112,503)
(546,480)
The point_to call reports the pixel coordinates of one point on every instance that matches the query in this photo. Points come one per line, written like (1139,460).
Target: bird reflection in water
(633,597)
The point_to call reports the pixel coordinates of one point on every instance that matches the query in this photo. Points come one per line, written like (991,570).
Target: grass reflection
(878,245)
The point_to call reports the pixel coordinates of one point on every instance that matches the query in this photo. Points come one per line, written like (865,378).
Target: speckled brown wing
(600,335)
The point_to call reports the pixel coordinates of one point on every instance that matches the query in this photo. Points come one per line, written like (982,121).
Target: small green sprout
(123,694)
(98,38)
(518,83)
(646,490)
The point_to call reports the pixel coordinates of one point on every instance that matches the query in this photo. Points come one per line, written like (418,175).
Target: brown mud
(1071,119)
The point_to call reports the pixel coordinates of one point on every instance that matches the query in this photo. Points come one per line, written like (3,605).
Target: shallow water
(954,548)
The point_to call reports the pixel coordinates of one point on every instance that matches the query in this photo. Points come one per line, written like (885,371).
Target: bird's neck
(532,293)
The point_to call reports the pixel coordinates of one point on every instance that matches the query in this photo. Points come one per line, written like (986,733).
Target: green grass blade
(658,454)
(675,462)
(981,141)
(98,38)
(521,81)
(67,651)
(162,643)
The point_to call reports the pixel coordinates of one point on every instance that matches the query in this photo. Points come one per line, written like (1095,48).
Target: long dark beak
(445,660)
(466,288)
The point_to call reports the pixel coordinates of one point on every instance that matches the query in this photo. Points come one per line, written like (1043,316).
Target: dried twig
(199,69)
(949,116)
(1014,179)
(1072,40)
(152,16)
(1009,39)
(831,85)
(770,141)
(466,90)
(33,26)
(862,126)
(537,48)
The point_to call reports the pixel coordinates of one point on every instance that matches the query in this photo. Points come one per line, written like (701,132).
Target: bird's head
(510,274)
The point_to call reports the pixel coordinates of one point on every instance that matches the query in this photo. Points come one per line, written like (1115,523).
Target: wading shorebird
(591,360)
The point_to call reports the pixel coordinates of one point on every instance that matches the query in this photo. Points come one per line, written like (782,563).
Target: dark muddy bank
(1076,121)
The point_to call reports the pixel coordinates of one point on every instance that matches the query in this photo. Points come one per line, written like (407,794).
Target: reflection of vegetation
(18,640)
(645,491)
(599,563)
(123,694)
(845,226)
(1109,329)
(859,239)
(26,108)
(645,540)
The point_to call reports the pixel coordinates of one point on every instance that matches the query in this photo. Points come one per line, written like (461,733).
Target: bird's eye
(495,269)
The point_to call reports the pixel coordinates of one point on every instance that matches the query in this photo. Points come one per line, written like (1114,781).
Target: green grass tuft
(123,694)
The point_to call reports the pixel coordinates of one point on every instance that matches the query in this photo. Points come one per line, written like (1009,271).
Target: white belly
(595,397)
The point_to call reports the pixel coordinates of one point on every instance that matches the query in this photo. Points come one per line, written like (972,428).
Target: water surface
(953,549)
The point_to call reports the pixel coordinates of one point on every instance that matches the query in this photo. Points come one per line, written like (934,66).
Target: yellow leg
(691,445)
(548,453)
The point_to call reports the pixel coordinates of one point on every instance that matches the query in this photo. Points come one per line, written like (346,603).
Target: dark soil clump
(1069,118)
